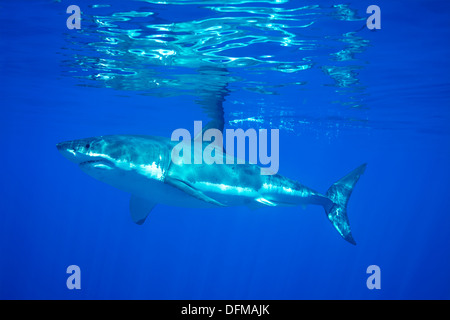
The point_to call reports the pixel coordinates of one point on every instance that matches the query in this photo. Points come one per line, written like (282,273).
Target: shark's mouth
(97,164)
(92,161)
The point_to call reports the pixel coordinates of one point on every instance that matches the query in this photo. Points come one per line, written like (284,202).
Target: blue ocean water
(340,94)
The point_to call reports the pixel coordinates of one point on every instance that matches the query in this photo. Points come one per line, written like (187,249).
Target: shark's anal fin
(140,208)
(262,202)
(266,202)
(183,186)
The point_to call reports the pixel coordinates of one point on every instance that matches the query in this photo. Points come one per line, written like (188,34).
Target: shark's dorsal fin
(140,208)
(212,100)
(183,186)
(210,125)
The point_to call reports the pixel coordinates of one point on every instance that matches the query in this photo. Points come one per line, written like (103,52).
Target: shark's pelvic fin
(339,193)
(140,208)
(183,186)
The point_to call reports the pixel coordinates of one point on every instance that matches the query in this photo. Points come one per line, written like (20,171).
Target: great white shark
(142,166)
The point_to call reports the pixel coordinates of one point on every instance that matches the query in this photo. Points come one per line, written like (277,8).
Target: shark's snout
(83,150)
(68,150)
(63,145)
(76,150)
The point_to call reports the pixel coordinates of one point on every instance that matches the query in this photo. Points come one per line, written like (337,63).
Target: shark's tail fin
(339,193)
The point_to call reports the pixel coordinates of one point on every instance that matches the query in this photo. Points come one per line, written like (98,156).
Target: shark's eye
(87,146)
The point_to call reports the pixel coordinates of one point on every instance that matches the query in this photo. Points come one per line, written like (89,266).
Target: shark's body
(142,166)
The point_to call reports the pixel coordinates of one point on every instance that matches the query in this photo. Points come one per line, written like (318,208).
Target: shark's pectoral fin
(183,186)
(140,208)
